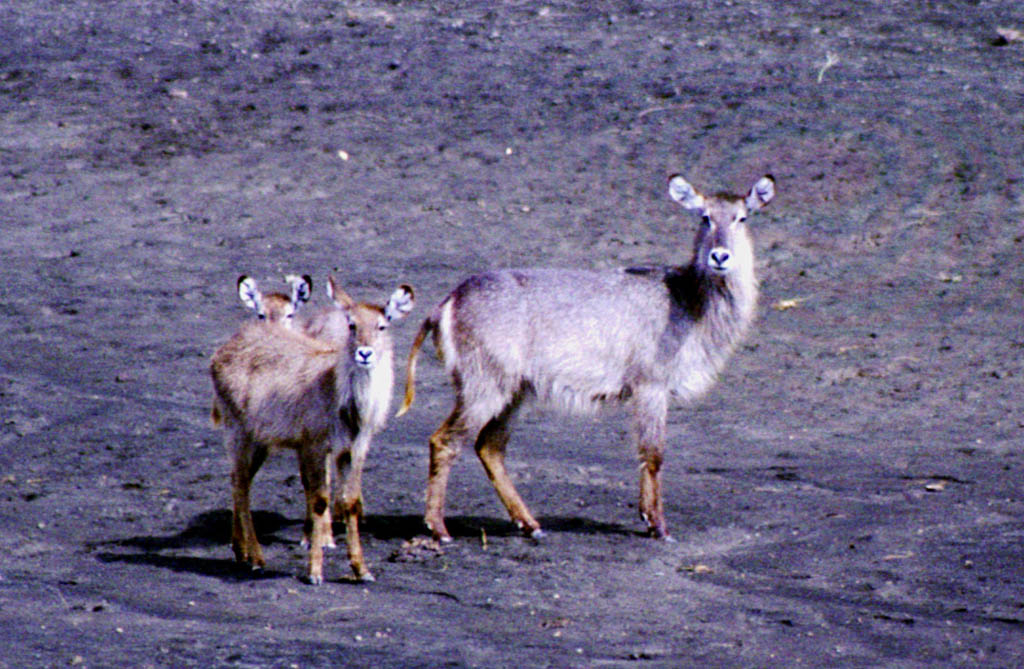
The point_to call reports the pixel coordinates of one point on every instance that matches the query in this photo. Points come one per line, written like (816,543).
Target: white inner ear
(680,190)
(249,293)
(761,194)
(301,290)
(399,304)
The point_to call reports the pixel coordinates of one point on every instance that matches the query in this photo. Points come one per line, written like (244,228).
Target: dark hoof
(439,536)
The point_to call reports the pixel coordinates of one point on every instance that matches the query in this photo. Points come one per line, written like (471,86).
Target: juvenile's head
(275,307)
(722,245)
(369,341)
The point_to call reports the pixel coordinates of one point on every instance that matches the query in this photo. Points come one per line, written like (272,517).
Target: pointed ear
(249,293)
(302,287)
(400,303)
(761,193)
(340,297)
(680,190)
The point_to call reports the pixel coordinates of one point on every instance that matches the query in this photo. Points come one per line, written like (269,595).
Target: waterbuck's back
(327,324)
(572,337)
(280,384)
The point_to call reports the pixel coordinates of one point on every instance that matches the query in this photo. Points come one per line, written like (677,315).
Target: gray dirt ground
(850,494)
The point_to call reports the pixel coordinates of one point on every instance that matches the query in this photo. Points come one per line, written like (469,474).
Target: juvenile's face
(369,339)
(277,308)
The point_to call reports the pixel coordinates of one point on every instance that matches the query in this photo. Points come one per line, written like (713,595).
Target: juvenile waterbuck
(275,307)
(578,339)
(324,397)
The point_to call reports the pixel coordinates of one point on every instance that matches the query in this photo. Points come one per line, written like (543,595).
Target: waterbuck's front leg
(650,413)
(350,502)
(316,481)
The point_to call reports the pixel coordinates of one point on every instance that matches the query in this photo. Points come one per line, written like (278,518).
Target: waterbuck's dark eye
(351,327)
(705,221)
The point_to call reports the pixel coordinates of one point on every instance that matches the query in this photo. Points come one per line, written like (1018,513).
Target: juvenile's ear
(302,287)
(340,297)
(400,303)
(249,293)
(761,193)
(680,190)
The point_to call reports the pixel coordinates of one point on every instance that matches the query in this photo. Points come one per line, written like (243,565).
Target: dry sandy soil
(849,494)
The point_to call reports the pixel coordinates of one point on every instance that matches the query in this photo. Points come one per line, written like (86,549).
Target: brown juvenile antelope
(275,307)
(326,396)
(578,339)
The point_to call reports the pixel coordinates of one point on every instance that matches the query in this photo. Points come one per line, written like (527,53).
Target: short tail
(216,417)
(410,374)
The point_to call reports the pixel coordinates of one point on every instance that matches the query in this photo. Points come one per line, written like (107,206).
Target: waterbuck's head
(369,341)
(722,245)
(275,307)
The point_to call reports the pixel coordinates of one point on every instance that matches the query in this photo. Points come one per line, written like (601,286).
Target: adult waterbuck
(578,339)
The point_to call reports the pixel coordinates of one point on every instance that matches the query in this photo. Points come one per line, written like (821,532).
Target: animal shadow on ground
(471,527)
(212,530)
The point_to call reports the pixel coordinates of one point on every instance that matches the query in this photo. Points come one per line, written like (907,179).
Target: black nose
(720,257)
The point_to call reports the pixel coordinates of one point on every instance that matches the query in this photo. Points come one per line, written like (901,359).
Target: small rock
(419,549)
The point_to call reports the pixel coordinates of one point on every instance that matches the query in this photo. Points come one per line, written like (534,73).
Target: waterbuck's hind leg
(445,444)
(248,458)
(490,448)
